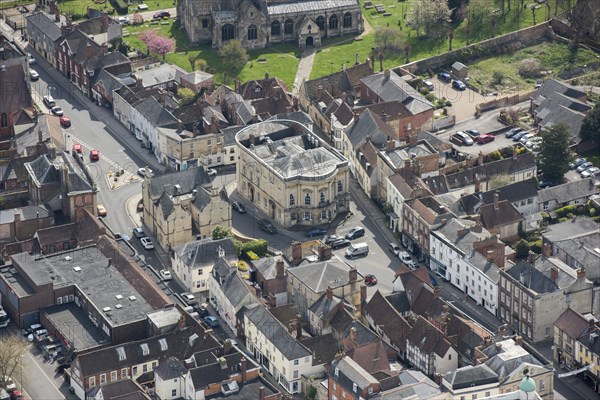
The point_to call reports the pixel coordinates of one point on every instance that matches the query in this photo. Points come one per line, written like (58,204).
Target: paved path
(304,68)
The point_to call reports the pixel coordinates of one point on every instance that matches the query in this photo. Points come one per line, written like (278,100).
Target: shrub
(186,96)
(536,246)
(137,19)
(221,232)
(430,97)
(592,212)
(495,155)
(530,68)
(258,247)
(242,266)
(120,6)
(252,255)
(522,249)
(565,211)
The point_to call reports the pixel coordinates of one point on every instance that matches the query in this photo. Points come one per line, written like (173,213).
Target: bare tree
(533,10)
(450,37)
(12,348)
(468,31)
(580,17)
(430,16)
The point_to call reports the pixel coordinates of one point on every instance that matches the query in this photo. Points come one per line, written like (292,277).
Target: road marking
(87,146)
(44,373)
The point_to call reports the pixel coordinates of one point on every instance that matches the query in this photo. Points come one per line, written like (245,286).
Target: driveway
(463,102)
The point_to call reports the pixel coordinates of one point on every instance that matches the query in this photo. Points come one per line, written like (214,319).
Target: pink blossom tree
(161,45)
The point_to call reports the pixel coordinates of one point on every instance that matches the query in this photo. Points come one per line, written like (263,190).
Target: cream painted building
(182,149)
(290,174)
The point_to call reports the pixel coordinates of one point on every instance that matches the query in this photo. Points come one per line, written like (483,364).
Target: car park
(340,244)
(147,243)
(577,163)
(316,232)
(211,172)
(267,226)
(584,166)
(145,172)
(485,138)
(49,101)
(462,139)
(357,250)
(33,75)
(513,132)
(370,280)
(459,85)
(101,210)
(94,155)
(165,274)
(138,232)
(355,233)
(56,110)
(473,132)
(211,321)
(239,207)
(592,171)
(394,248)
(428,85)
(65,121)
(188,298)
(444,77)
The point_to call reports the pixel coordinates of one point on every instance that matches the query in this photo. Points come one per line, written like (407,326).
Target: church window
(333,22)
(205,23)
(252,35)
(289,27)
(227,32)
(321,22)
(347,20)
(4,120)
(275,28)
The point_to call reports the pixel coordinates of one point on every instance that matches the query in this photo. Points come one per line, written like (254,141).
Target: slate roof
(591,340)
(320,275)
(470,376)
(563,115)
(236,291)
(513,192)
(187,180)
(552,86)
(45,24)
(155,113)
(370,126)
(267,266)
(276,333)
(462,233)
(229,134)
(214,372)
(481,263)
(14,76)
(244,110)
(170,368)
(507,357)
(572,323)
(506,166)
(393,87)
(386,318)
(325,309)
(160,75)
(324,348)
(531,278)
(506,214)
(106,60)
(571,229)
(569,191)
(119,390)
(347,372)
(337,83)
(307,6)
(428,338)
(25,213)
(107,358)
(202,199)
(77,42)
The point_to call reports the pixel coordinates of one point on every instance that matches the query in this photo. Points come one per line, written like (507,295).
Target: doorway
(309,41)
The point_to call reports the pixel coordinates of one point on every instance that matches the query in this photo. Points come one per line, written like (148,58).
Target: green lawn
(281,61)
(555,57)
(77,8)
(420,46)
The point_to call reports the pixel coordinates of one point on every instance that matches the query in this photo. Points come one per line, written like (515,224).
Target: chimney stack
(261,393)
(329,293)
(17,215)
(496,197)
(105,20)
(581,273)
(325,253)
(436,292)
(298,326)
(363,294)
(489,255)
(227,347)
(386,73)
(272,300)
(353,275)
(502,331)
(391,144)
(412,137)
(519,340)
(104,49)
(244,363)
(279,267)
(554,273)
(56,12)
(296,252)
(181,323)
(477,186)
(88,51)
(546,249)
(353,334)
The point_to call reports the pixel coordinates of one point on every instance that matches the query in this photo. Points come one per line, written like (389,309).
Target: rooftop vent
(77,269)
(192,339)
(132,298)
(106,309)
(118,297)
(118,306)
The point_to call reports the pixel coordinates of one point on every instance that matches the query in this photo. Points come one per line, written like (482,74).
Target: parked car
(355,233)
(331,238)
(584,166)
(527,137)
(485,138)
(239,207)
(138,233)
(473,132)
(33,75)
(444,77)
(201,310)
(545,184)
(56,110)
(123,20)
(165,274)
(147,243)
(94,155)
(17,395)
(211,172)
(145,172)
(459,85)
(577,163)
(65,121)
(428,85)
(10,384)
(49,101)
(433,280)
(316,232)
(4,395)
(462,138)
(357,250)
(101,210)
(77,148)
(407,260)
(211,321)
(513,132)
(592,171)
(32,328)
(340,243)
(188,298)
(30,59)
(267,226)
(517,137)
(394,248)
(161,14)
(370,280)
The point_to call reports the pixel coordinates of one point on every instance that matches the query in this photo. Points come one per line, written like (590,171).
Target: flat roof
(74,324)
(248,391)
(13,279)
(95,276)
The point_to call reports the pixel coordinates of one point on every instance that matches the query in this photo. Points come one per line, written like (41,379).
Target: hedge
(252,255)
(258,247)
(120,6)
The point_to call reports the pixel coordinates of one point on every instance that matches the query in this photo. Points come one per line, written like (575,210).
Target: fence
(504,101)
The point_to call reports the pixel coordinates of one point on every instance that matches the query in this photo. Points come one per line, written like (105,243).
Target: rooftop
(399,156)
(248,391)
(74,324)
(320,275)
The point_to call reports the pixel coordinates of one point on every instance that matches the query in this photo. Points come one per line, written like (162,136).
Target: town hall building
(258,23)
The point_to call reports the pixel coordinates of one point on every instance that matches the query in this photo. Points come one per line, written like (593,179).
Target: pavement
(304,68)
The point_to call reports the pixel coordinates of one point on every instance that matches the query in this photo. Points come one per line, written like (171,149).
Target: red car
(77,148)
(65,121)
(94,155)
(485,138)
(370,280)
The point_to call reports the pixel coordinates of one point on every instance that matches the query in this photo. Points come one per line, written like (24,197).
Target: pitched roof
(348,372)
(119,390)
(572,323)
(236,291)
(506,166)
(551,86)
(569,191)
(481,263)
(571,229)
(323,347)
(386,318)
(470,376)
(267,266)
(506,356)
(169,369)
(206,252)
(45,24)
(261,88)
(320,275)
(506,214)
(428,338)
(370,356)
(370,126)
(513,192)
(216,371)
(276,333)
(155,113)
(15,77)
(531,278)
(160,75)
(186,181)
(462,233)
(393,87)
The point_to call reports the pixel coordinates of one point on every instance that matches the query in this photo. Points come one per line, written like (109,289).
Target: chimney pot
(546,250)
(298,326)
(496,197)
(329,293)
(279,266)
(581,273)
(353,334)
(554,273)
(353,275)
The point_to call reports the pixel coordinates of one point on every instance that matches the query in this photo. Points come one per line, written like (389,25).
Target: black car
(513,132)
(340,244)
(444,77)
(201,310)
(239,207)
(316,232)
(267,226)
(355,233)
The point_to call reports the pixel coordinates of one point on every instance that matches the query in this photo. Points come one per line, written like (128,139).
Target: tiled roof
(569,191)
(428,338)
(323,274)
(572,323)
(393,87)
(370,126)
(386,318)
(531,278)
(206,252)
(470,376)
(348,372)
(15,77)
(324,348)
(506,214)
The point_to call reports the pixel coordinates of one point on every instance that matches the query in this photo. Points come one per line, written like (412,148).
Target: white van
(357,250)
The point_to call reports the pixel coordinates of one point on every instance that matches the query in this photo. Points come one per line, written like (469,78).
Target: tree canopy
(590,128)
(554,155)
(234,56)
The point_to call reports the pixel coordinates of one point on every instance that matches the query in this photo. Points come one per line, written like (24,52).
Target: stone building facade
(258,23)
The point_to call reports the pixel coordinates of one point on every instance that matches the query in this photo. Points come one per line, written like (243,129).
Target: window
(113,376)
(227,33)
(449,356)
(144,368)
(548,332)
(354,387)
(340,186)
(123,373)
(294,216)
(252,35)
(320,22)
(347,20)
(296,362)
(307,216)
(542,385)
(324,214)
(102,379)
(205,23)
(4,120)
(307,199)
(134,370)
(231,158)
(288,27)
(292,200)
(295,374)
(275,28)
(173,392)
(322,198)
(92,381)
(333,22)
(59,300)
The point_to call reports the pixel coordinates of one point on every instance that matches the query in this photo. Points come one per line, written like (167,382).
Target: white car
(165,274)
(56,110)
(139,233)
(33,75)
(30,59)
(407,260)
(147,243)
(211,172)
(145,172)
(10,384)
(123,20)
(188,298)
(593,171)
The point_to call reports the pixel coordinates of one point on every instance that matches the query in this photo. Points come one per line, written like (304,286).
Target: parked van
(51,348)
(357,250)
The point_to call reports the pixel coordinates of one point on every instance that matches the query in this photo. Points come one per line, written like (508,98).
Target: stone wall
(504,101)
